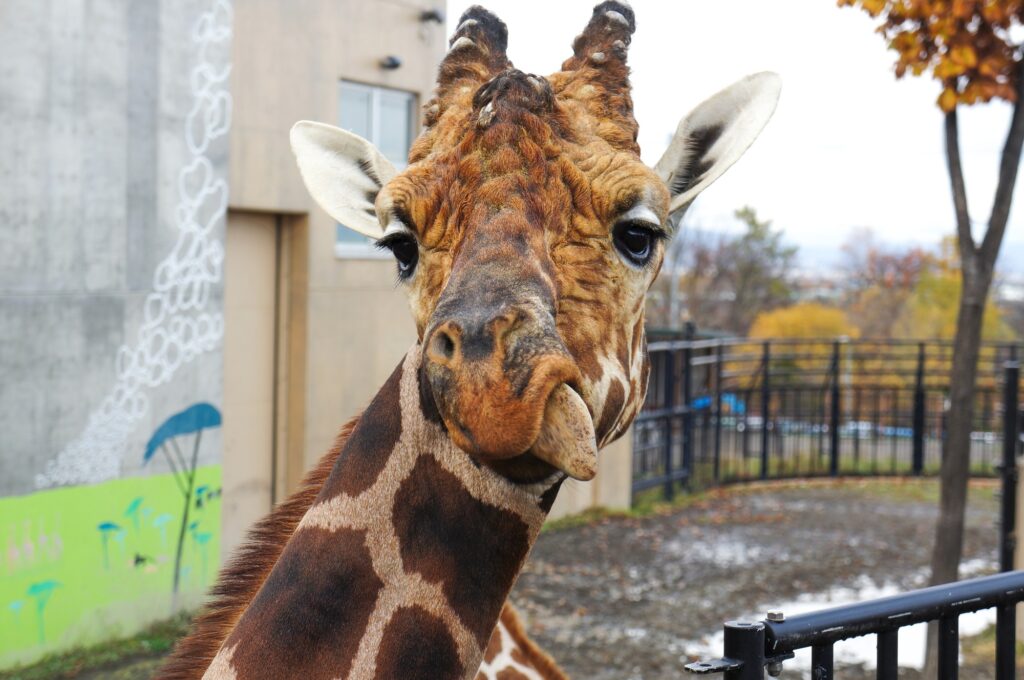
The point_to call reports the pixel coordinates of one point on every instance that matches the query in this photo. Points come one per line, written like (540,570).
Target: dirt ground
(625,598)
(629,598)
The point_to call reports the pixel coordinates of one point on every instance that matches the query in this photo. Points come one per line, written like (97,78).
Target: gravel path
(632,598)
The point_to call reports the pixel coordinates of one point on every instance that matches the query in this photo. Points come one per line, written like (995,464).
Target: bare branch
(956,179)
(1008,167)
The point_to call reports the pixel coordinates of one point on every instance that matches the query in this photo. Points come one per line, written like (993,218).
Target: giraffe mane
(244,574)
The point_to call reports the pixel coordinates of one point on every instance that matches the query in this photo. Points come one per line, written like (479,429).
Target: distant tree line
(749,284)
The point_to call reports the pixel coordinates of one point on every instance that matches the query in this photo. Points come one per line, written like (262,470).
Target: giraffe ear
(343,173)
(715,134)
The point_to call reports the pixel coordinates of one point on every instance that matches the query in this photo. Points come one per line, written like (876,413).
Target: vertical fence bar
(1007,529)
(856,429)
(745,642)
(688,429)
(719,353)
(670,402)
(833,425)
(1006,641)
(919,410)
(766,396)
(821,663)
(949,647)
(888,655)
(894,441)
(876,429)
(746,435)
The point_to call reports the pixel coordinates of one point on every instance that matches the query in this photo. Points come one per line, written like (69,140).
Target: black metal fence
(737,409)
(727,410)
(753,648)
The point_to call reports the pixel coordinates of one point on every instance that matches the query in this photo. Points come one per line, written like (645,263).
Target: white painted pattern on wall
(178,322)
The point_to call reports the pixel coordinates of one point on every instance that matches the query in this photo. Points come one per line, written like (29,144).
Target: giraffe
(526,232)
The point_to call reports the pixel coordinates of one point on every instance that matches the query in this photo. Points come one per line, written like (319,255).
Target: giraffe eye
(636,241)
(406,251)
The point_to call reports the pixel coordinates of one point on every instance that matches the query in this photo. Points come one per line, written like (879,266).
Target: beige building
(314,321)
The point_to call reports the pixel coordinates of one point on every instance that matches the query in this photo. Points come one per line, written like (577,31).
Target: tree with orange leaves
(967,45)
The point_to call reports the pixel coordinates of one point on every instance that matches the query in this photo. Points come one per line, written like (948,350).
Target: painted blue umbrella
(193,420)
(190,421)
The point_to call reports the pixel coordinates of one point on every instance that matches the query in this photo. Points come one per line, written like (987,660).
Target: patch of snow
(860,650)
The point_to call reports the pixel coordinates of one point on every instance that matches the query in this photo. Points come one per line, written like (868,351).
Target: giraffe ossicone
(526,233)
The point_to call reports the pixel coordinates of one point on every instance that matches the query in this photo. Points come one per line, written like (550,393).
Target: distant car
(899,432)
(860,429)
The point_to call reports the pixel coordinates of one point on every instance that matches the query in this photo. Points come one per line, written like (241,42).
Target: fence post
(745,642)
(1011,433)
(919,426)
(833,427)
(669,405)
(766,396)
(719,352)
(690,332)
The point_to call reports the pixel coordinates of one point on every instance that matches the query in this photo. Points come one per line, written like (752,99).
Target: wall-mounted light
(435,15)
(390,62)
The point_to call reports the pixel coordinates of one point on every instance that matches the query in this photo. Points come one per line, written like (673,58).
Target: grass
(808,464)
(980,650)
(645,504)
(154,641)
(900,489)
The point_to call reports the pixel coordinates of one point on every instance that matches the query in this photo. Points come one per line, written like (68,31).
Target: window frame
(366,250)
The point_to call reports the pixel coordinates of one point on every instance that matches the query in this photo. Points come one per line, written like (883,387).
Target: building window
(387,118)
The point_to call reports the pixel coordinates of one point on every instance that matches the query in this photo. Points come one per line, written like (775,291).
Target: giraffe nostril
(444,346)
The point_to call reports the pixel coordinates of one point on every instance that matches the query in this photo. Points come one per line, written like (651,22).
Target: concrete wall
(111,198)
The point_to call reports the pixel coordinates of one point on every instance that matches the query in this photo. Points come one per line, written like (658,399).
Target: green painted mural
(85,564)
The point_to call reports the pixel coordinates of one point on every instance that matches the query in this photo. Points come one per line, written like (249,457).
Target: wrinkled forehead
(543,163)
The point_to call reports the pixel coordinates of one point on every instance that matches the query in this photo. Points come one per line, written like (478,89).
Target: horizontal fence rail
(736,409)
(753,648)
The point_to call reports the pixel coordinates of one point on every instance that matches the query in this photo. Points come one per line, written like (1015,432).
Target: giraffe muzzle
(503,385)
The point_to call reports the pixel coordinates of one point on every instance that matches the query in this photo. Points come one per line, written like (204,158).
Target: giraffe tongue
(567,438)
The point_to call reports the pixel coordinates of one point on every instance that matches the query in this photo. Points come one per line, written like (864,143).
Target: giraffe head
(527,231)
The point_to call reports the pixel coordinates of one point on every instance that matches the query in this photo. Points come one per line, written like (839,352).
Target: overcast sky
(849,146)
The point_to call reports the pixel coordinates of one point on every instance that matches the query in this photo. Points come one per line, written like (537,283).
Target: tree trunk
(977,264)
(956,447)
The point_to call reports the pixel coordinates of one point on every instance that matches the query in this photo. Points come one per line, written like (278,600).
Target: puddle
(722,552)
(861,650)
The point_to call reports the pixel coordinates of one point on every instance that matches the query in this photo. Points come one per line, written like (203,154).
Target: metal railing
(737,409)
(752,649)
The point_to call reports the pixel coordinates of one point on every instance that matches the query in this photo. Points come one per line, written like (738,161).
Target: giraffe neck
(401,565)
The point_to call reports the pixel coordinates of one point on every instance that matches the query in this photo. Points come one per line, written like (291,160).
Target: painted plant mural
(88,558)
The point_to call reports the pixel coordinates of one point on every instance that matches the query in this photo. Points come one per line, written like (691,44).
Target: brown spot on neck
(472,549)
(309,617)
(417,646)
